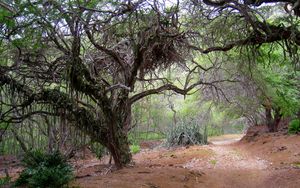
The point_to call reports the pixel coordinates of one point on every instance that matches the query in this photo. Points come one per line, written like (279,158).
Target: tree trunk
(272,123)
(20,140)
(277,119)
(119,149)
(117,142)
(50,135)
(269,119)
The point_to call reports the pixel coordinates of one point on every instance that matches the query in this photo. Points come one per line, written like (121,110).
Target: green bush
(5,181)
(98,149)
(45,170)
(185,133)
(135,149)
(294,126)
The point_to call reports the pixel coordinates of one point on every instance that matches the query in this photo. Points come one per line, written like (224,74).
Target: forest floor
(266,160)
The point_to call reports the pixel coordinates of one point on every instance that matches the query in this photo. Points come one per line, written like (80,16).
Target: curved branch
(8,7)
(272,34)
(165,87)
(84,119)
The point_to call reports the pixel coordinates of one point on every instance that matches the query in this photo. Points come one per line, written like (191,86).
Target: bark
(117,142)
(50,135)
(272,123)
(269,119)
(2,131)
(119,149)
(277,118)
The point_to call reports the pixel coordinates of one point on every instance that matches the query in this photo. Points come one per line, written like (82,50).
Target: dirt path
(221,164)
(228,157)
(270,161)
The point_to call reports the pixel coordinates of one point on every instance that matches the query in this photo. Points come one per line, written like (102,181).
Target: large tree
(84,59)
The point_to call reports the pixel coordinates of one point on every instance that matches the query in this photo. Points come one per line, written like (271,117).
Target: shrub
(45,170)
(5,181)
(185,133)
(135,149)
(98,149)
(294,126)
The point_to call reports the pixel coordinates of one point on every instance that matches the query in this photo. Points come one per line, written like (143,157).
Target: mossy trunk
(117,142)
(119,149)
(272,123)
(269,119)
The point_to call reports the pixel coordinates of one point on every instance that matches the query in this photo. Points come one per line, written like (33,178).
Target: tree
(84,59)
(250,29)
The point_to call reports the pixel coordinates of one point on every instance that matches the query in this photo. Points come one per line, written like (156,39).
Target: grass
(296,164)
(136,138)
(135,149)
(213,162)
(150,136)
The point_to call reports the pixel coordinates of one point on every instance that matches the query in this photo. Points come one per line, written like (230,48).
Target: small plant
(135,149)
(213,162)
(45,170)
(296,164)
(294,126)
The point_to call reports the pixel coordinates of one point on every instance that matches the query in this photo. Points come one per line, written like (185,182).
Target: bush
(294,126)
(185,133)
(135,149)
(98,149)
(45,170)
(5,181)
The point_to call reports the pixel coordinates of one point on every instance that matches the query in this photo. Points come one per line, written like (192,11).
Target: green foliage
(185,133)
(214,131)
(5,181)
(135,149)
(5,17)
(151,136)
(98,150)
(45,170)
(282,87)
(294,126)
(137,137)
(278,79)
(296,164)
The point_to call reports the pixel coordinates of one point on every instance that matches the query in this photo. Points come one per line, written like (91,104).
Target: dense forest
(108,75)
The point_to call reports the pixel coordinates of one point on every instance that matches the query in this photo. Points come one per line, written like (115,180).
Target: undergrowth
(45,170)
(137,137)
(186,133)
(5,181)
(294,126)
(98,149)
(135,149)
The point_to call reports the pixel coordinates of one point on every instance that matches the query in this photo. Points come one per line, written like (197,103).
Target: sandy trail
(268,162)
(226,157)
(220,164)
